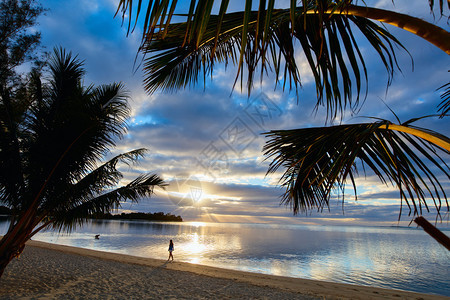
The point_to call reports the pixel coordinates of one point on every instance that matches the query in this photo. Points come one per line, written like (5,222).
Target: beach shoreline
(48,270)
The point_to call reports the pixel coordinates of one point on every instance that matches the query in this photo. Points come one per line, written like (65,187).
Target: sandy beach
(48,271)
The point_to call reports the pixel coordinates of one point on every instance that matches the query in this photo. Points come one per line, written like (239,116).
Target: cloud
(215,134)
(224,202)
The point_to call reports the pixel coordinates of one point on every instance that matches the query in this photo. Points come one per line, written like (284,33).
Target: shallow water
(389,257)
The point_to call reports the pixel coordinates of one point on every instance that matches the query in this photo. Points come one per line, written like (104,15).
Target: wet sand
(49,271)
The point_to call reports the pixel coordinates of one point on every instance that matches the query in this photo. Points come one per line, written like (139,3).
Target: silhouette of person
(171,248)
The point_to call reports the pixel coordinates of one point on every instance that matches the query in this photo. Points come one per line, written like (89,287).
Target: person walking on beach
(171,248)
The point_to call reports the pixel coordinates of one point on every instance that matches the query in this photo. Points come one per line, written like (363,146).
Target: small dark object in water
(97,236)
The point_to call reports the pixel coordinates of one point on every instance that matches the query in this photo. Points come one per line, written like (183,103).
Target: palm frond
(444,106)
(68,218)
(323,160)
(169,65)
(441,6)
(66,73)
(190,48)
(158,14)
(94,183)
(15,104)
(85,121)
(11,135)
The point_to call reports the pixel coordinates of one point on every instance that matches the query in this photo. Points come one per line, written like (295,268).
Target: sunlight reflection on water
(401,258)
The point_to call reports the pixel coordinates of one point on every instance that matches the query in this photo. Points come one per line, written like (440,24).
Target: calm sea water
(388,257)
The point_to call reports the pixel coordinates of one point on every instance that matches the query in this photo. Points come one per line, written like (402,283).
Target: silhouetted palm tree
(316,160)
(52,140)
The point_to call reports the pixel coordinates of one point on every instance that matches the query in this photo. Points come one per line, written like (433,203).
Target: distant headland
(158,216)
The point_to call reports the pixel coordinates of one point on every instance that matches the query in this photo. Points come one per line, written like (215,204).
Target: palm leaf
(89,120)
(185,51)
(168,66)
(104,177)
(323,160)
(441,5)
(70,217)
(157,20)
(444,106)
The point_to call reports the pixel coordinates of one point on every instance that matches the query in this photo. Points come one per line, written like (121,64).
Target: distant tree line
(158,216)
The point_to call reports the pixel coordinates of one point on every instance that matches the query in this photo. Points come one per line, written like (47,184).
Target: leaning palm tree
(257,41)
(53,137)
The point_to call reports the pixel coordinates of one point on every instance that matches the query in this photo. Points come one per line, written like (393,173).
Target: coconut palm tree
(316,160)
(50,150)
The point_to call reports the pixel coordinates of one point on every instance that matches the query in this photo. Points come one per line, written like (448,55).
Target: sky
(206,141)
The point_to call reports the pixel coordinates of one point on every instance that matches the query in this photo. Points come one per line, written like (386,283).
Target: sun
(196,194)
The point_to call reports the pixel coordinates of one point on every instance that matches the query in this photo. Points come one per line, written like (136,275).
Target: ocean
(404,258)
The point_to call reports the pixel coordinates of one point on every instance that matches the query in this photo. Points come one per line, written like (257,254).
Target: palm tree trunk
(10,248)
(431,33)
(13,242)
(433,231)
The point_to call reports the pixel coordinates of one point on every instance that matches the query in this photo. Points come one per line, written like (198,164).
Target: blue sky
(207,142)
